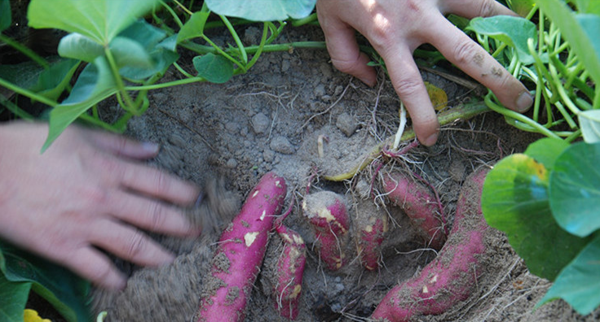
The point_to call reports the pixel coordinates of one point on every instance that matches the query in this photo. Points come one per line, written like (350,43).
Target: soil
(271,119)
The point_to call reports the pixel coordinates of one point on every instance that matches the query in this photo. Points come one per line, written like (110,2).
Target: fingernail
(368,81)
(431,139)
(524,101)
(150,147)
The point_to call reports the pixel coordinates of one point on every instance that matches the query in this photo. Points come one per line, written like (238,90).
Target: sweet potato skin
(419,204)
(327,213)
(451,277)
(240,253)
(371,226)
(290,271)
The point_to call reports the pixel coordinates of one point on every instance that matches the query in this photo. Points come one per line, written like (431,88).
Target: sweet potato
(290,270)
(327,213)
(419,204)
(452,276)
(240,253)
(371,226)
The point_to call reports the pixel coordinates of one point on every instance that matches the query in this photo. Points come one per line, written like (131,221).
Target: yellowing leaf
(439,98)
(32,316)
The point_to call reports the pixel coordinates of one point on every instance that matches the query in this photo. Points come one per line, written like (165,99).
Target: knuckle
(136,246)
(99,273)
(486,8)
(157,216)
(464,52)
(407,86)
(163,183)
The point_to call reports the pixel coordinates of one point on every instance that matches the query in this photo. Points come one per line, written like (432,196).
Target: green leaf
(213,68)
(194,27)
(161,51)
(521,7)
(579,282)
(13,297)
(66,292)
(5,15)
(53,81)
(546,150)
(99,20)
(515,200)
(588,6)
(513,31)
(128,52)
(589,122)
(95,83)
(262,10)
(575,189)
(78,46)
(582,41)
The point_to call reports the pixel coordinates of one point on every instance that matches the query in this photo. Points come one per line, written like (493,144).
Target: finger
(409,86)
(345,53)
(96,267)
(129,244)
(461,50)
(150,215)
(122,146)
(475,8)
(158,184)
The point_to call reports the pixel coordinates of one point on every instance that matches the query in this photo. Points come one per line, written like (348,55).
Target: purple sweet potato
(327,213)
(452,276)
(240,253)
(419,204)
(371,226)
(290,270)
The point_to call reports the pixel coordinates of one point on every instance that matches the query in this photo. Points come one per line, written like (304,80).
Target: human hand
(87,192)
(395,28)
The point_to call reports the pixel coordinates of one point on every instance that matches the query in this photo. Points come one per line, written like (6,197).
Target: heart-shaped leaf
(62,289)
(194,27)
(262,10)
(213,68)
(513,31)
(575,189)
(95,83)
(579,282)
(515,200)
(99,20)
(78,46)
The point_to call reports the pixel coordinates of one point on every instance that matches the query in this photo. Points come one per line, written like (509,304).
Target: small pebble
(260,123)
(282,145)
(347,124)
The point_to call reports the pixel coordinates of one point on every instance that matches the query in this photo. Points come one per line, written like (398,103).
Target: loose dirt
(270,120)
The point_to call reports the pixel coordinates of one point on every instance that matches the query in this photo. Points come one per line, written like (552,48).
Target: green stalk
(173,14)
(223,53)
(236,38)
(165,85)
(300,22)
(15,109)
(263,40)
(22,91)
(97,122)
(517,116)
(25,50)
(129,105)
(181,70)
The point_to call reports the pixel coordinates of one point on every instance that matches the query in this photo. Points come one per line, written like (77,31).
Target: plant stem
(535,126)
(128,104)
(25,50)
(27,93)
(236,38)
